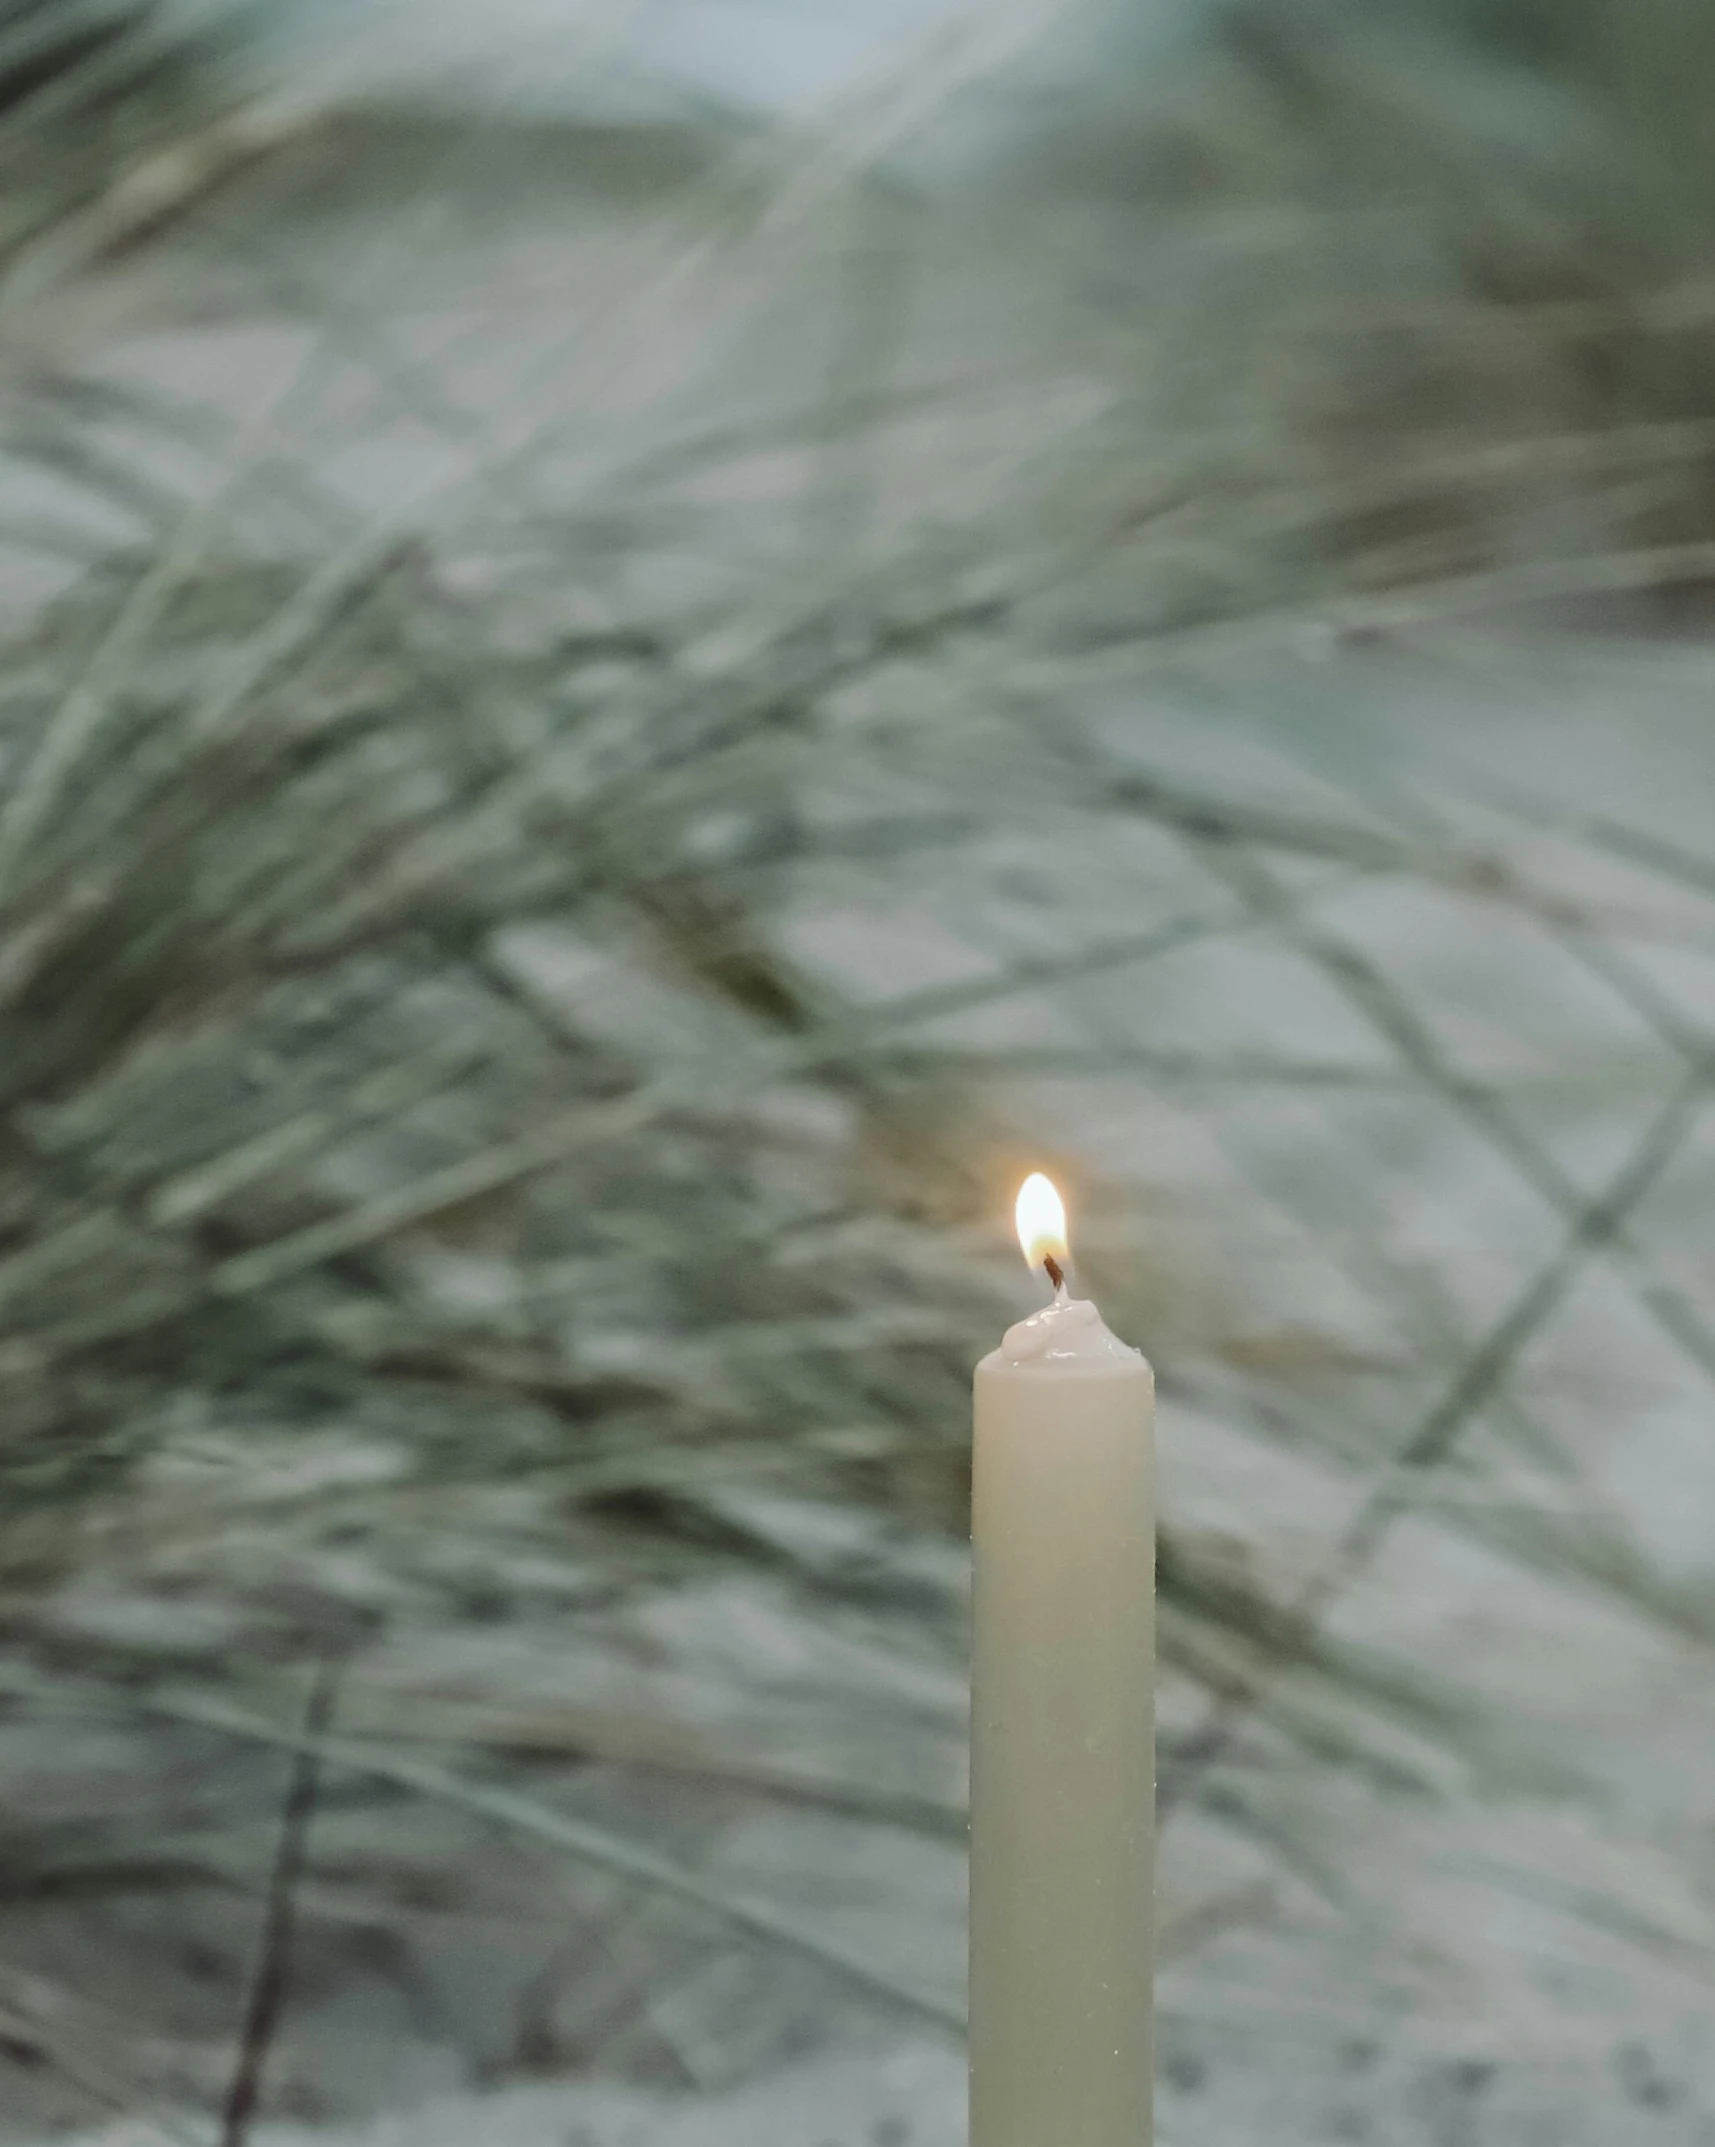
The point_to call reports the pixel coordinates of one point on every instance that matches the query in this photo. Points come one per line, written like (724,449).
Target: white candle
(1062,1724)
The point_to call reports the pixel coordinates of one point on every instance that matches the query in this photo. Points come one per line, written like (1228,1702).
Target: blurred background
(648,646)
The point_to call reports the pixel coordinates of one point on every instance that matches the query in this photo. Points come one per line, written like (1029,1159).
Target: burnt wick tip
(1056,1273)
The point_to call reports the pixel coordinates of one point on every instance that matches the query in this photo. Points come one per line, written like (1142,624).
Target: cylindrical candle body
(1062,1740)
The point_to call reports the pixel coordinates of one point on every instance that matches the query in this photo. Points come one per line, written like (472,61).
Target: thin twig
(596,1846)
(274,1961)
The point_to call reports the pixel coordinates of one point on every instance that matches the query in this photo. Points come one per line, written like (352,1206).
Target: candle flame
(1041,1221)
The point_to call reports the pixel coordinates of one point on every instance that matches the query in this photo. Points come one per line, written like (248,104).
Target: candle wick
(1056,1274)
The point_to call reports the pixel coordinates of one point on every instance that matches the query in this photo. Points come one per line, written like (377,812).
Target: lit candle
(1062,1723)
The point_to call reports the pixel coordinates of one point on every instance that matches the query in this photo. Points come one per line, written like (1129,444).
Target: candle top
(1069,1335)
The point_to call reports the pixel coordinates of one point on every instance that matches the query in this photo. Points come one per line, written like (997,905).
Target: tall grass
(525,984)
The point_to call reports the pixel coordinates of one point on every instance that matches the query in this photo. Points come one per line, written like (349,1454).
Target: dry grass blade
(1432,1440)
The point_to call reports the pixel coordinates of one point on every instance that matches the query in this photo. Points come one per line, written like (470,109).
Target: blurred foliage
(590,763)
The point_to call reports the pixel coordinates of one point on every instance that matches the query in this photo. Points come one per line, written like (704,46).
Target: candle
(1062,1723)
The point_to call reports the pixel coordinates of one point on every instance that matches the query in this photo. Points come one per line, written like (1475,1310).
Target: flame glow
(1041,1221)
